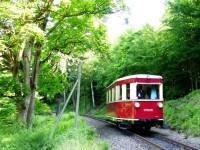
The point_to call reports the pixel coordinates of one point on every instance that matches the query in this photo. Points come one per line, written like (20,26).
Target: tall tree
(41,29)
(183,22)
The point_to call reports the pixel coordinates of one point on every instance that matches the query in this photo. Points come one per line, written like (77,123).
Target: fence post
(60,115)
(78,94)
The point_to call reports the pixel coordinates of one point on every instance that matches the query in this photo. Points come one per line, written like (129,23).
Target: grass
(99,112)
(15,136)
(183,114)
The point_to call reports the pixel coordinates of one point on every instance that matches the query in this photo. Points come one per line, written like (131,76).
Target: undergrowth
(99,112)
(183,114)
(15,136)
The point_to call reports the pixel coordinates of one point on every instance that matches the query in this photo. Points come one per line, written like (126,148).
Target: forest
(43,42)
(171,51)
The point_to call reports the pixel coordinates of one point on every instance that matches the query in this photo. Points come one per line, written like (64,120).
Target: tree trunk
(31,109)
(64,96)
(31,80)
(191,80)
(74,100)
(93,102)
(196,82)
(26,65)
(58,107)
(34,83)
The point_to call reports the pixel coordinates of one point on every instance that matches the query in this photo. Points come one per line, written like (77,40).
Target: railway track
(167,143)
(179,144)
(156,141)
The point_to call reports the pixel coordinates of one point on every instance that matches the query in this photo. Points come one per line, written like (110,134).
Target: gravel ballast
(192,141)
(117,139)
(120,140)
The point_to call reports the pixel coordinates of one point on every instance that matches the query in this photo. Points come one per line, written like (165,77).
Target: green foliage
(82,139)
(47,33)
(137,52)
(32,31)
(183,25)
(79,28)
(41,108)
(183,114)
(7,109)
(172,51)
(100,111)
(31,140)
(8,85)
(52,81)
(73,29)
(15,135)
(18,137)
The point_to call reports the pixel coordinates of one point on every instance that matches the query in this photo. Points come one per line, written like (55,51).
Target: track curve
(156,141)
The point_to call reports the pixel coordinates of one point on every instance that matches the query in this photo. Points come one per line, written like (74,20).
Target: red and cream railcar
(137,100)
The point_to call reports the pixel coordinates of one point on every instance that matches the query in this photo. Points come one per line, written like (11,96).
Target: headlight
(137,104)
(160,105)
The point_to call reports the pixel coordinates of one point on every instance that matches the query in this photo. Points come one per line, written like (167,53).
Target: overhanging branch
(43,61)
(81,13)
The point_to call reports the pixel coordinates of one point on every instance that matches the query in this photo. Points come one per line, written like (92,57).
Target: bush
(84,138)
(16,137)
(183,113)
(33,140)
(7,109)
(41,108)
(100,111)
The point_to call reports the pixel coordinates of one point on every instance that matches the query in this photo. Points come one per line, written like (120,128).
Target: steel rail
(179,144)
(162,138)
(148,142)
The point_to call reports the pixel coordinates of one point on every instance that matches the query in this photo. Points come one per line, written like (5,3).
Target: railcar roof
(137,76)
(140,76)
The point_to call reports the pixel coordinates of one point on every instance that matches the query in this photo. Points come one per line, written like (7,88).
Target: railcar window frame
(110,95)
(107,96)
(113,94)
(123,92)
(117,92)
(147,92)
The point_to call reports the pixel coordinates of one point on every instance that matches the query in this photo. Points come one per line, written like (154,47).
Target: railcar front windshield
(148,91)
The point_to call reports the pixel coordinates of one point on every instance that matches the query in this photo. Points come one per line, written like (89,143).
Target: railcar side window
(120,92)
(113,94)
(128,91)
(148,91)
